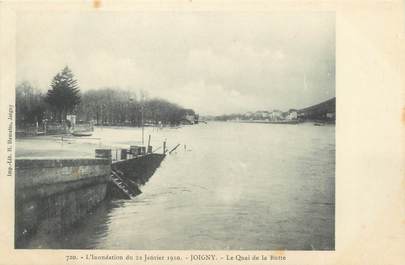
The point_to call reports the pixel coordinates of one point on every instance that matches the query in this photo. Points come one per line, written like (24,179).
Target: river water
(237,186)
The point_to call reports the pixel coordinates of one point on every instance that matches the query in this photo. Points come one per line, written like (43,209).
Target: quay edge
(53,194)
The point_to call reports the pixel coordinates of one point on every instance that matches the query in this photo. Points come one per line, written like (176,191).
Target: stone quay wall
(53,194)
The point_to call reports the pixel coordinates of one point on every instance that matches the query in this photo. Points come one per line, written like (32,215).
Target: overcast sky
(213,62)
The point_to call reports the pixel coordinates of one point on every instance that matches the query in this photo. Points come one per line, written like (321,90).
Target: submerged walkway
(53,147)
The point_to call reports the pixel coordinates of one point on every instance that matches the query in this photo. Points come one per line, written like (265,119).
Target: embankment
(52,194)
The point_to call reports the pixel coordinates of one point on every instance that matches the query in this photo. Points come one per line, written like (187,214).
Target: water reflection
(85,234)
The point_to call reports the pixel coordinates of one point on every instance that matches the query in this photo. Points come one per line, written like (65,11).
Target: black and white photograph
(175,130)
(202,132)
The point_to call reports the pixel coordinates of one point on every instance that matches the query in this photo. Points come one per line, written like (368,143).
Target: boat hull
(80,134)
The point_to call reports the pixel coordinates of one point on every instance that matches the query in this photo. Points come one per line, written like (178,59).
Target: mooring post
(148,142)
(123,154)
(164,147)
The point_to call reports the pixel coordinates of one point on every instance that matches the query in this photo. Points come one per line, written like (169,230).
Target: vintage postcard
(202,132)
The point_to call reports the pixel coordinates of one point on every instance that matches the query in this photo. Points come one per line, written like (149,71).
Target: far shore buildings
(276,115)
(292,114)
(273,115)
(323,112)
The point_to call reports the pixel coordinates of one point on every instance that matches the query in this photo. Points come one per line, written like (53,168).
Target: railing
(119,154)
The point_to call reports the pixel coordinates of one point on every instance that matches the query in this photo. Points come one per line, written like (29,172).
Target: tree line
(107,106)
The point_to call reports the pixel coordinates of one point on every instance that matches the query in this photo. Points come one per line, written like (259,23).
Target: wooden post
(142,106)
(124,154)
(164,147)
(149,149)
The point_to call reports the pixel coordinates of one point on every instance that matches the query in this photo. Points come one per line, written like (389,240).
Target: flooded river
(228,186)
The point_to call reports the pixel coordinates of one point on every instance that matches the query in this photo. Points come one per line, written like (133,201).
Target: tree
(30,105)
(118,107)
(64,93)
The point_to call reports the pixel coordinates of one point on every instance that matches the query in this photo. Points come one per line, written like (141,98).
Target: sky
(213,62)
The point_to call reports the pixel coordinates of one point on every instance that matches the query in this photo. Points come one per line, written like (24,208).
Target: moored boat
(82,133)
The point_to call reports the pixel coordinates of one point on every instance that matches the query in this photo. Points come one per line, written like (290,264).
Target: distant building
(71,121)
(247,116)
(190,118)
(292,114)
(276,115)
(263,114)
(258,115)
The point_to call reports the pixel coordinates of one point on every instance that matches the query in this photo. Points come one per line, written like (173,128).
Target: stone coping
(58,162)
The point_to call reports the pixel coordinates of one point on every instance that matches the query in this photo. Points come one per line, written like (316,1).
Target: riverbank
(60,179)
(52,195)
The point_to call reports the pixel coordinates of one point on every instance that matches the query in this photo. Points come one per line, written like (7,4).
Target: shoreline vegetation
(104,106)
(64,106)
